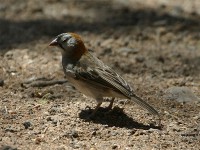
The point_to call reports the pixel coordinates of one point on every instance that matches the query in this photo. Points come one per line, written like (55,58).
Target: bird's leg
(95,110)
(111,103)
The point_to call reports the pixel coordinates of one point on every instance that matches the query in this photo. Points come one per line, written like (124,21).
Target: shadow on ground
(116,117)
(107,18)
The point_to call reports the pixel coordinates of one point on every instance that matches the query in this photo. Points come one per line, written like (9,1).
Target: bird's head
(71,45)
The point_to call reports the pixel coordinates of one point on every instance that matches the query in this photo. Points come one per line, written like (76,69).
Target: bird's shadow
(115,117)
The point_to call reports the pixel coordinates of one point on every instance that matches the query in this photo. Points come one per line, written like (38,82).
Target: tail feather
(144,104)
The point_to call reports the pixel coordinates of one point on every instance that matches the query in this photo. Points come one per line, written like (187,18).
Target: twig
(44,83)
(45,129)
(192,133)
(32,79)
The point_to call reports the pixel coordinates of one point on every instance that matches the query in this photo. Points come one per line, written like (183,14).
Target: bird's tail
(144,104)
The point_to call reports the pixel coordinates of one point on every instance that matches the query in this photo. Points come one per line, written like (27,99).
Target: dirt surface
(154,45)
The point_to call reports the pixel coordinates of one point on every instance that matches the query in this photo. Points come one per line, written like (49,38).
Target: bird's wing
(89,75)
(114,80)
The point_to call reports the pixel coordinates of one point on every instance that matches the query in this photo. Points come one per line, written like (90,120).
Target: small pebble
(1,82)
(140,59)
(74,134)
(114,147)
(27,124)
(38,140)
(131,132)
(94,133)
(49,118)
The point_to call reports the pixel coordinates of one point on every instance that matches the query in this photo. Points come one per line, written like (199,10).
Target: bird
(91,76)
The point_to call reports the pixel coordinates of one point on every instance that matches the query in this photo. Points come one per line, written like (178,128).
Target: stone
(180,94)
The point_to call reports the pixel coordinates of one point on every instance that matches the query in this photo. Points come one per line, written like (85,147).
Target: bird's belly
(93,90)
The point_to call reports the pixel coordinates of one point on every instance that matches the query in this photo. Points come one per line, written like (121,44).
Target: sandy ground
(154,45)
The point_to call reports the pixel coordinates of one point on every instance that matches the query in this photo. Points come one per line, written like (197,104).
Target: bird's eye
(64,40)
(71,42)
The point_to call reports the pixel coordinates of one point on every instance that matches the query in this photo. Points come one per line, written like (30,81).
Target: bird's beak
(54,42)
